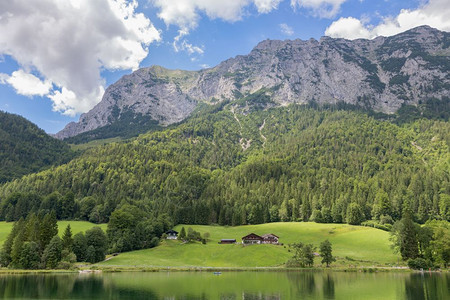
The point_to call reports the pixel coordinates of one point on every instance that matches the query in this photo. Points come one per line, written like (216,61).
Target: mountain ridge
(25,148)
(380,74)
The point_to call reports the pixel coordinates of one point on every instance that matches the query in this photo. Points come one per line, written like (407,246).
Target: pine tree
(29,258)
(49,228)
(354,214)
(16,250)
(408,237)
(5,255)
(67,239)
(52,253)
(182,235)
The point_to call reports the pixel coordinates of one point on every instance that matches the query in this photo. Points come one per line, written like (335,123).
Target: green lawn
(353,245)
(76,226)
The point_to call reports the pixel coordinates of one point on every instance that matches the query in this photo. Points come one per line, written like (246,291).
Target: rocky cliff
(379,74)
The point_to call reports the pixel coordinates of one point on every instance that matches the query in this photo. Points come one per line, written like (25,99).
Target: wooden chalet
(227,241)
(252,239)
(270,238)
(172,234)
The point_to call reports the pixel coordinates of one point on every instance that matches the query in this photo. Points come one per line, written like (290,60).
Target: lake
(228,285)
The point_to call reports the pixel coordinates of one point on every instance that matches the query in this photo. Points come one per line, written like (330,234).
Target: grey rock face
(380,74)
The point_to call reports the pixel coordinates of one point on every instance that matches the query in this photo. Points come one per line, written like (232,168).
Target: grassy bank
(77,226)
(354,246)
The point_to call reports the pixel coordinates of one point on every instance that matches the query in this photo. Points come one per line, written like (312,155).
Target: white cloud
(68,43)
(266,6)
(185,14)
(435,13)
(26,84)
(181,44)
(320,8)
(286,29)
(349,28)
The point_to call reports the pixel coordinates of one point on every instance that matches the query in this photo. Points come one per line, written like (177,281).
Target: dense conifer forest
(24,148)
(247,162)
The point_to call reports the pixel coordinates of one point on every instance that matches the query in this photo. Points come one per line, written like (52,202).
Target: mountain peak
(380,74)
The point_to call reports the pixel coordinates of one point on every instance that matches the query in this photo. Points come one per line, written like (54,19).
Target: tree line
(33,243)
(313,165)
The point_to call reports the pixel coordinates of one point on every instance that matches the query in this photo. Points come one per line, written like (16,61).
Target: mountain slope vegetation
(246,162)
(24,148)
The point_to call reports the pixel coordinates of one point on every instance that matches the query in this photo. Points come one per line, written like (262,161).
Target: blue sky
(57,58)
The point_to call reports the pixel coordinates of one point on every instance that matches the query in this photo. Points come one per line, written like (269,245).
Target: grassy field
(76,226)
(352,245)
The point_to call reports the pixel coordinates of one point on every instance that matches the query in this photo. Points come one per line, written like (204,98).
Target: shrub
(292,263)
(375,224)
(419,263)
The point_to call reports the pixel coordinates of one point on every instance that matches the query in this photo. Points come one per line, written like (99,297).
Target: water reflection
(303,284)
(328,286)
(228,286)
(426,286)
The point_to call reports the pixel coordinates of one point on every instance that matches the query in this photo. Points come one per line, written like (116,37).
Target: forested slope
(24,148)
(247,163)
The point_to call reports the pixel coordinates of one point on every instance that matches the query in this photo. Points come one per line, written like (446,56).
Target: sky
(57,57)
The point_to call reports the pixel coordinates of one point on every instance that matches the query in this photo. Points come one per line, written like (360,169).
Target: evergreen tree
(49,228)
(67,239)
(5,255)
(408,236)
(33,228)
(404,236)
(354,214)
(326,252)
(67,205)
(30,258)
(16,250)
(182,235)
(52,253)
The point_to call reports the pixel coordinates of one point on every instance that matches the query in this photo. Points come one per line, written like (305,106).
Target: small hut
(227,241)
(172,234)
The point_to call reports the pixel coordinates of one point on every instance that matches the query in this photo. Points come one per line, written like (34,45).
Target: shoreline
(98,270)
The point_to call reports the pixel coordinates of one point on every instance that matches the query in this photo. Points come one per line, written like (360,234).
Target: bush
(419,263)
(316,216)
(292,263)
(375,224)
(386,219)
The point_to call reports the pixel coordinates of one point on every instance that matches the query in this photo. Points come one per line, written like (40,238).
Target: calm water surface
(228,285)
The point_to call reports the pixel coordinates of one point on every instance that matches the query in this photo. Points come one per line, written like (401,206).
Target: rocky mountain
(380,74)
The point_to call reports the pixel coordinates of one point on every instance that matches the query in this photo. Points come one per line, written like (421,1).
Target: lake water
(228,285)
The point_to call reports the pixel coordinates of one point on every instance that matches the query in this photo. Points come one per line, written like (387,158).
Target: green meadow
(76,226)
(352,245)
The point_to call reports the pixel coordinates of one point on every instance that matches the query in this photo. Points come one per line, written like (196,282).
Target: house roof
(228,240)
(252,236)
(270,234)
(171,232)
